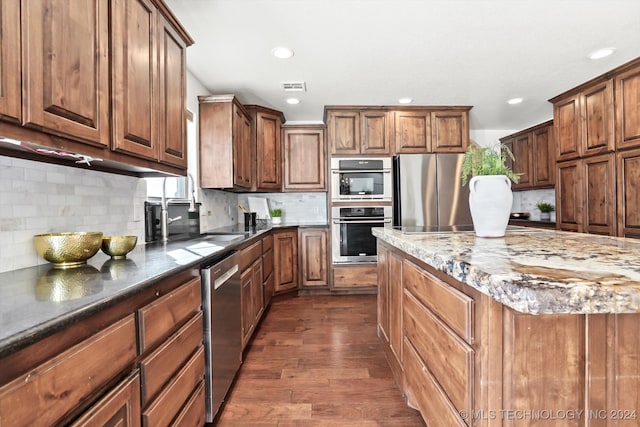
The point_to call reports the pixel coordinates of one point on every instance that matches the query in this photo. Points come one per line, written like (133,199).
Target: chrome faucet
(164,217)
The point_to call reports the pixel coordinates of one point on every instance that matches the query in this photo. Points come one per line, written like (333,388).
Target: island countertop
(535,271)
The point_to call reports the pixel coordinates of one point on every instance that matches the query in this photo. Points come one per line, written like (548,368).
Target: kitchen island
(537,328)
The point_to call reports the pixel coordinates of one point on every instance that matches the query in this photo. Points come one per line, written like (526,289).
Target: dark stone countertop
(38,301)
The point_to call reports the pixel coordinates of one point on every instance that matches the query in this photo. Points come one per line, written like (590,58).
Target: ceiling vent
(294,86)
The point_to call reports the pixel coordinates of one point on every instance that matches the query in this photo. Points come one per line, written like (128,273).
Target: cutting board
(259,206)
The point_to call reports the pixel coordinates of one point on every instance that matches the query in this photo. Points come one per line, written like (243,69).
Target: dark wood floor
(316,361)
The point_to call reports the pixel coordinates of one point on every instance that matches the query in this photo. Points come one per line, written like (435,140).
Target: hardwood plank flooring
(317,361)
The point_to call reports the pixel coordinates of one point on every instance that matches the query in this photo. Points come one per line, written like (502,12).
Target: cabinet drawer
(450,305)
(355,276)
(121,407)
(432,402)
(250,254)
(267,264)
(161,365)
(449,358)
(193,412)
(173,397)
(47,393)
(159,319)
(267,243)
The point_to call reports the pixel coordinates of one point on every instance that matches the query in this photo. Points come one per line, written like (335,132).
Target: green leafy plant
(487,161)
(545,207)
(275,213)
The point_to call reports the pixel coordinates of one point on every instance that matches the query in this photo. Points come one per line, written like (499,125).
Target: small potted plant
(490,196)
(276,215)
(545,210)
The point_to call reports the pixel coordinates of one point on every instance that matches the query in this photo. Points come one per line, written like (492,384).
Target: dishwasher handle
(224,277)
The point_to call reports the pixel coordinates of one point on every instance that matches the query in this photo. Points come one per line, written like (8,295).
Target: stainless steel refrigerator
(428,192)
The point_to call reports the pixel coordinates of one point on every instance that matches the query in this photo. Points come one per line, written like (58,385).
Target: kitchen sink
(224,237)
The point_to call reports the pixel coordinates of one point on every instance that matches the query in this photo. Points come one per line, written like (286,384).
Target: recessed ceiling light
(602,53)
(293,101)
(405,101)
(282,52)
(514,101)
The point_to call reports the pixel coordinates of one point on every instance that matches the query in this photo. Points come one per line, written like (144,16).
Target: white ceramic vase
(276,220)
(490,200)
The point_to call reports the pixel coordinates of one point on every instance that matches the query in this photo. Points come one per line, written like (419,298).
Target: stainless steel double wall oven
(361,195)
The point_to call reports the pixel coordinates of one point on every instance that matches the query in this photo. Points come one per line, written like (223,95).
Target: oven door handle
(337,171)
(359,221)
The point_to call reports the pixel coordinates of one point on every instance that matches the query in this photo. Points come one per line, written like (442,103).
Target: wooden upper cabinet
(449,131)
(628,108)
(242,153)
(522,162)
(412,132)
(569,195)
(508,142)
(343,129)
(597,119)
(10,64)
(266,140)
(566,119)
(599,195)
(173,95)
(376,132)
(304,158)
(66,66)
(225,143)
(628,192)
(135,75)
(543,156)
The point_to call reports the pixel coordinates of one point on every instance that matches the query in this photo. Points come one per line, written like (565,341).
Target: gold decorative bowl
(117,247)
(66,250)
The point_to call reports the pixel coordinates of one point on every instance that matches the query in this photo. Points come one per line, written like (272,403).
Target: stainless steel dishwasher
(222,329)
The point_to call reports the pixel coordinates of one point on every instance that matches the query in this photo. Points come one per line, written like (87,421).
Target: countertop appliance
(352,241)
(428,191)
(367,179)
(222,329)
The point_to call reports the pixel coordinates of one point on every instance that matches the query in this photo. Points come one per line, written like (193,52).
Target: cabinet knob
(157,293)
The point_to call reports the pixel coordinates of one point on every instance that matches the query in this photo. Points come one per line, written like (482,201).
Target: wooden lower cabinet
(267,270)
(354,276)
(251,293)
(285,255)
(313,257)
(628,200)
(138,362)
(468,360)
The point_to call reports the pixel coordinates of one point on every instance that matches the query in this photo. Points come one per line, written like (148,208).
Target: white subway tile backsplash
(38,198)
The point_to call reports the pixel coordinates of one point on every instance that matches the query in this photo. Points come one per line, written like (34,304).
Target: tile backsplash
(301,208)
(525,201)
(40,198)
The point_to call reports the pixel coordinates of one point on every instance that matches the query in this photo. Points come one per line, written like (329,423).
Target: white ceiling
(438,52)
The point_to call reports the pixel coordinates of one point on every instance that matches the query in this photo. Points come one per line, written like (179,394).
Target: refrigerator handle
(397,214)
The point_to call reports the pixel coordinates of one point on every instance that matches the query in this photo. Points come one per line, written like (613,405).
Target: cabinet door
(10,64)
(597,119)
(412,132)
(285,254)
(383,292)
(599,195)
(522,160)
(173,96)
(269,152)
(304,159)
(569,196)
(344,132)
(375,132)
(257,299)
(241,148)
(395,305)
(66,67)
(246,284)
(135,78)
(566,121)
(628,171)
(449,131)
(120,407)
(628,109)
(543,157)
(313,245)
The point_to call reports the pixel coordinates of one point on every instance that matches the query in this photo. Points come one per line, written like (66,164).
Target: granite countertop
(37,301)
(536,271)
